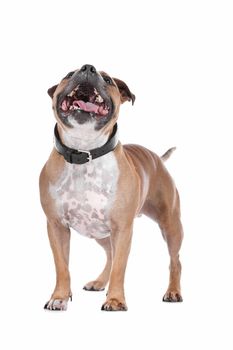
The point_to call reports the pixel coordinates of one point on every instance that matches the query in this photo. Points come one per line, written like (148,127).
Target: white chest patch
(84,195)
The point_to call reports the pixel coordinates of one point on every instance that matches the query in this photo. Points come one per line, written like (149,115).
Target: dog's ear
(126,94)
(52,90)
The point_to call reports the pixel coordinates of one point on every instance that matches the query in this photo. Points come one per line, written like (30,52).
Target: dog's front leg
(59,237)
(121,242)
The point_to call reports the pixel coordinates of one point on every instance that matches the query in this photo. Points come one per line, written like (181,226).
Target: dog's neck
(83,137)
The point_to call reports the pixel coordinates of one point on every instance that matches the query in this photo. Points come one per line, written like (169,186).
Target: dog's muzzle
(85,97)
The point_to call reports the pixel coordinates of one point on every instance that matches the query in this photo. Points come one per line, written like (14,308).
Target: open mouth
(85,98)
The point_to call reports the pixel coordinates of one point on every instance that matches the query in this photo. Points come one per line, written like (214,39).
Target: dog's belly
(85,194)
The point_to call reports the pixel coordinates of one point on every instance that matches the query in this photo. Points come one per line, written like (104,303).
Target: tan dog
(93,184)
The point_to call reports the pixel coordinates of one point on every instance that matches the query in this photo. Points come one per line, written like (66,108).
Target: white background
(177,57)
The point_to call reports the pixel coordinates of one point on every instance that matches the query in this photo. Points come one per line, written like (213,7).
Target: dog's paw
(57,304)
(172,297)
(114,305)
(94,286)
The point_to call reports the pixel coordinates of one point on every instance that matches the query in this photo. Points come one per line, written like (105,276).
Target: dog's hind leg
(173,233)
(164,208)
(102,280)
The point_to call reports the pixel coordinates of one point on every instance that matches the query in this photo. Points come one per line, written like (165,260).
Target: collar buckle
(89,155)
(80,156)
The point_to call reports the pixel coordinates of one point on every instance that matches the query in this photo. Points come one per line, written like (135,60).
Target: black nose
(88,68)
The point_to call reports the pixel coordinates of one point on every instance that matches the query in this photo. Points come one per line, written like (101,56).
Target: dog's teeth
(99,99)
(71,94)
(95,91)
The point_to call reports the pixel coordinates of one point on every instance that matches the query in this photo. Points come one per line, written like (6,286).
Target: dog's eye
(69,75)
(108,80)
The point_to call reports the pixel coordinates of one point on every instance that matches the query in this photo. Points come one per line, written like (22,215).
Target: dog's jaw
(84,136)
(82,101)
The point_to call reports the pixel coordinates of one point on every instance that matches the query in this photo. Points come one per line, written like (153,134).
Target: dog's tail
(167,154)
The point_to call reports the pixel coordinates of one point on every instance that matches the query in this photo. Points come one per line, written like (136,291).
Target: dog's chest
(85,194)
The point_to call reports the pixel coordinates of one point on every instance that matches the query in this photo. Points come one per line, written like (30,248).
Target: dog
(96,186)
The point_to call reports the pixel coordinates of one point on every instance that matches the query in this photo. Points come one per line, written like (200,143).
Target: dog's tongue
(88,106)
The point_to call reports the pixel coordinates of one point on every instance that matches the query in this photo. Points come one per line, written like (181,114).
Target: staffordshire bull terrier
(97,186)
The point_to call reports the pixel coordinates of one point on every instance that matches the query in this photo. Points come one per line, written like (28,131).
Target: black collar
(74,156)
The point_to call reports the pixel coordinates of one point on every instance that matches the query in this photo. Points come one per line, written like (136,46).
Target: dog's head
(88,96)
